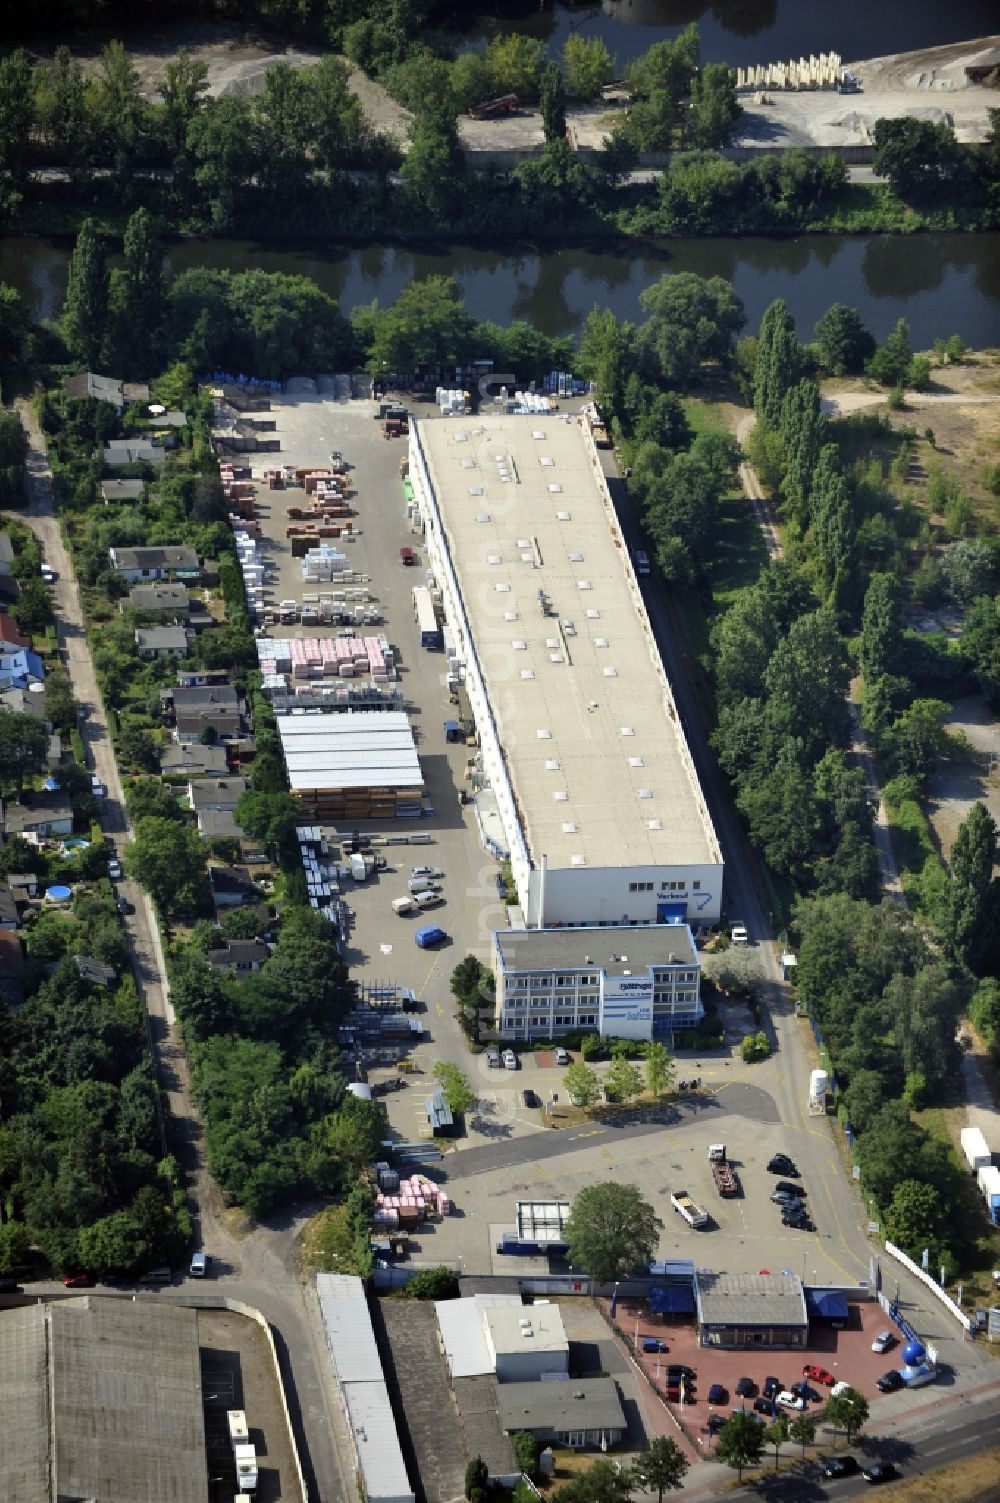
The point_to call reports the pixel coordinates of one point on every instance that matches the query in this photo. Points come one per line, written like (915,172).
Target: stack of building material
(324,563)
(415,1200)
(451,401)
(356,764)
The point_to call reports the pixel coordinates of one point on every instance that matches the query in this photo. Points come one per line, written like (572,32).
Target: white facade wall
(621,894)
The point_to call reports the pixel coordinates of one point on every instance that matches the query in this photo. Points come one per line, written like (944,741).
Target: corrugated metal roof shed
(349,1333)
(374,1428)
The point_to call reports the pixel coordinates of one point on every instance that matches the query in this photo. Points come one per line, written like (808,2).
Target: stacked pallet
(416,1199)
(352,764)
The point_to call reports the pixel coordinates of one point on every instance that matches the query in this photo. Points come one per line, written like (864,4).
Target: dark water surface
(739,31)
(942,284)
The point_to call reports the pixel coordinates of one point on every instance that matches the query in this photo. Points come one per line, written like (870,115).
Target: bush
(755,1048)
(593,1046)
(526,1451)
(433,1283)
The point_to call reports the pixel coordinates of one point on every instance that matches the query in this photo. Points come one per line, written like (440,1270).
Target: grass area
(913,846)
(740,550)
(327,1246)
(973,1480)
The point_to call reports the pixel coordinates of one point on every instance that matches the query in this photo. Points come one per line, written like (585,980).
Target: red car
(819,1375)
(79,1281)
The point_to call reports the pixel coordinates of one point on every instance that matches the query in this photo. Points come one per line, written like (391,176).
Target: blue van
(432,935)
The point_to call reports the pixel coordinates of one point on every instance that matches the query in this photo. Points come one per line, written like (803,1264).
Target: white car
(427,899)
(883,1341)
(199,1265)
(787,1400)
(561,1055)
(509,1059)
(839,1388)
(426,871)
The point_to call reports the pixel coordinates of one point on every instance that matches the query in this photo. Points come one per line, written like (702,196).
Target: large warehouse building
(581,741)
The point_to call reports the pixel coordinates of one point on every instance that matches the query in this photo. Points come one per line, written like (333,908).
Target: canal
(940,283)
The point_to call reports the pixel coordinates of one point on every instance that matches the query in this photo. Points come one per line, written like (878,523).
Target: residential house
(122,490)
(10,918)
(232,886)
(162,642)
(199,707)
(139,565)
(6,553)
(19,667)
(216,793)
(189,678)
(9,634)
(222,724)
(53,757)
(25,701)
(105,389)
(95,971)
(158,600)
(23,886)
(191,759)
(239,957)
(169,419)
(47,815)
(219,824)
(122,451)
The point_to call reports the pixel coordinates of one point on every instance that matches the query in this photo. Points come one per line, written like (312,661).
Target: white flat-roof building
(581,740)
(526,1342)
(359,764)
(633,983)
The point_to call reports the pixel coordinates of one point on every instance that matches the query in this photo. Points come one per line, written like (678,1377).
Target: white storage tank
(818,1084)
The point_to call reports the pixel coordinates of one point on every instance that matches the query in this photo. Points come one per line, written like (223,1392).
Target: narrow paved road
(260,1268)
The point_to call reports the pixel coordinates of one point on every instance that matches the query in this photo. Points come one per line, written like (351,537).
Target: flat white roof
(349,749)
(374,1427)
(349,1333)
(533,1328)
(463,1332)
(581,711)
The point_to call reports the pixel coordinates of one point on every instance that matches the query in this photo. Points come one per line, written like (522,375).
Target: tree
(169,860)
(777,1434)
(552,103)
(526,1452)
(881,635)
(968,567)
(690,321)
(587,65)
(844,342)
(918,737)
(806,684)
(17,108)
(582,1084)
(891,361)
(740,1442)
(85,309)
(714,108)
(23,746)
(622,1081)
(914,1217)
(68,119)
(801,436)
(893,1148)
(777,364)
(136,299)
(604,1481)
(433,1283)
(848,1411)
(972,859)
(182,89)
(659,1068)
(136,746)
(457,1091)
(803,1431)
(516,63)
(13,455)
(120,112)
(981,643)
(917,156)
(477,1479)
(220,147)
(611,1230)
(661,1466)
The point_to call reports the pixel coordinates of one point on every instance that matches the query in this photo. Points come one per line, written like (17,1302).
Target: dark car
(679,1370)
(786,1185)
(715,1422)
(772,1386)
(79,1281)
(654,1344)
(717,1394)
(797,1223)
(781,1164)
(880,1471)
(890,1381)
(764,1406)
(839,1466)
(9,1286)
(529,1098)
(805,1391)
(746,1388)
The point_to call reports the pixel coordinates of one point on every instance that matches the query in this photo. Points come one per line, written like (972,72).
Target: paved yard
(237,1373)
(421,1376)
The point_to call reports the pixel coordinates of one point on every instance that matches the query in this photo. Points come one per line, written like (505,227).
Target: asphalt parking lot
(237,1373)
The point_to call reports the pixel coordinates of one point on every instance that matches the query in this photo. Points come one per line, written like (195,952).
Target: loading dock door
(672,913)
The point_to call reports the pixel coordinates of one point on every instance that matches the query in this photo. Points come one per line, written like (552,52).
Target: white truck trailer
(686,1207)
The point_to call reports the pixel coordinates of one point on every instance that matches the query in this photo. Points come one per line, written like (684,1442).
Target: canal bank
(940,283)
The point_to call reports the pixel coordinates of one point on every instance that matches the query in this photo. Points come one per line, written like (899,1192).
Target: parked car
(746,1388)
(79,1281)
(641,561)
(786,1399)
(780,1163)
(883,1341)
(428,899)
(771,1387)
(124,906)
(654,1344)
(806,1391)
(509,1059)
(839,1466)
(839,1388)
(529,1099)
(880,1471)
(426,871)
(9,1286)
(797,1218)
(199,1265)
(407,557)
(49,575)
(115,869)
(676,1371)
(818,1375)
(429,936)
(789,1189)
(764,1406)
(717,1394)
(493,1057)
(715,1422)
(890,1382)
(561,1055)
(785,1198)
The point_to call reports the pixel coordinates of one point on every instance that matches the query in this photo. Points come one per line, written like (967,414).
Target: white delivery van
(428,899)
(421,884)
(403,905)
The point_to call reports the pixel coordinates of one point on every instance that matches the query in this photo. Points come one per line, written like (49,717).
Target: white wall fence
(928,1282)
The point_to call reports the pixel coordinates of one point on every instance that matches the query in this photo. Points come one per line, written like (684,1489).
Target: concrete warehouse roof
(615,951)
(101,1399)
(597,765)
(351,749)
(580,1404)
(463,1332)
(750,1299)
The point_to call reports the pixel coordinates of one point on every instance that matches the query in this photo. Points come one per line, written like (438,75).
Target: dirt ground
(953,789)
